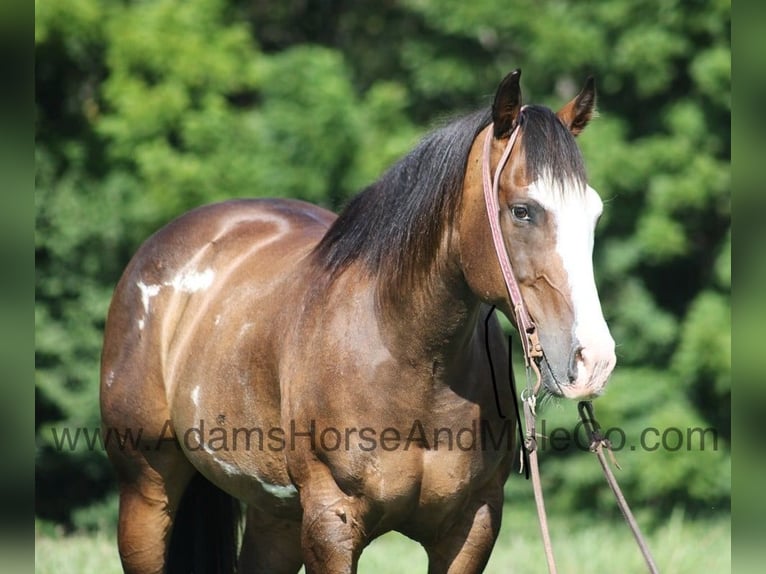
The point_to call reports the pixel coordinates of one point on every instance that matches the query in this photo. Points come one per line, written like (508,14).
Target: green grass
(680,546)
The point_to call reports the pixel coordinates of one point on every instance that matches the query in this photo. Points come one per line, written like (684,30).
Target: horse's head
(548,214)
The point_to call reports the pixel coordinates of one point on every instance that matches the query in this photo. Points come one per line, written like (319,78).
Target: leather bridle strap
(524,323)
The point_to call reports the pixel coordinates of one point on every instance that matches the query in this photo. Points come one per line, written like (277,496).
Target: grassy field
(680,546)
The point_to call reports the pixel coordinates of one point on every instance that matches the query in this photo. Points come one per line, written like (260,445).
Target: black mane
(395,226)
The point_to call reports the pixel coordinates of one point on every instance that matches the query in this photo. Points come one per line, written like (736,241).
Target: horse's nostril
(576,358)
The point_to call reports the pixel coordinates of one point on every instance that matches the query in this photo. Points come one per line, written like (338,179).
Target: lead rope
(532,351)
(598,444)
(530,444)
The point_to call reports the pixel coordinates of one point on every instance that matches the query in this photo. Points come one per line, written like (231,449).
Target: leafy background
(146,109)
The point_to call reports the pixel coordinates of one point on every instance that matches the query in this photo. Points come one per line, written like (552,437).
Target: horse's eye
(520,212)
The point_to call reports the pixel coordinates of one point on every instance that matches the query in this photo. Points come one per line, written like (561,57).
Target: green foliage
(98,517)
(172,66)
(146,109)
(666,447)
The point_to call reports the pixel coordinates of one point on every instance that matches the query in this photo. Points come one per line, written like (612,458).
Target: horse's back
(196,293)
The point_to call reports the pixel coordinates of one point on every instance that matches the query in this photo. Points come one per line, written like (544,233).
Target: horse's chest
(474,458)
(434,470)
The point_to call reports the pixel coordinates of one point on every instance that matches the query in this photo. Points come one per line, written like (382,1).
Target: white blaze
(575,213)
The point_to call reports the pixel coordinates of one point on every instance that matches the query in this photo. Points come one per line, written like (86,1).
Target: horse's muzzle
(589,370)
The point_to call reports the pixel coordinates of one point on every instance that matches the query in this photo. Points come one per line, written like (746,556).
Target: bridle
(533,352)
(524,323)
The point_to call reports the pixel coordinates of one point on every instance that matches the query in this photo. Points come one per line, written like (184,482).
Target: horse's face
(548,215)
(549,231)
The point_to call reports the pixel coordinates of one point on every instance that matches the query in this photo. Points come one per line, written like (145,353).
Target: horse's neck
(434,322)
(439,317)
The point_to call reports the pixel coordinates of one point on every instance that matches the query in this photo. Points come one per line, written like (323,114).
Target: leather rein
(533,352)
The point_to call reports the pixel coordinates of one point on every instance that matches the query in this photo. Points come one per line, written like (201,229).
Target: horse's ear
(507,104)
(577,113)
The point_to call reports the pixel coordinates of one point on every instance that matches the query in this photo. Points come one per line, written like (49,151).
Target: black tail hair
(205,532)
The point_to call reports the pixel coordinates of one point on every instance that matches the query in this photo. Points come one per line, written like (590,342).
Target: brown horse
(330,373)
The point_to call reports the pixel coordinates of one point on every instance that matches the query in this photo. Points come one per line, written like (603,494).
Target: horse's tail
(205,531)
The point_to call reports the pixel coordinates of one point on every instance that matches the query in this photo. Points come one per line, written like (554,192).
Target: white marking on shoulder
(192,281)
(187,281)
(109,378)
(147,292)
(195,396)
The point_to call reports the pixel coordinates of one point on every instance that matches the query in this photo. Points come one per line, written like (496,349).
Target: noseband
(530,341)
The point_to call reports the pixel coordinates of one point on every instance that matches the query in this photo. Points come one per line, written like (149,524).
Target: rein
(599,443)
(533,352)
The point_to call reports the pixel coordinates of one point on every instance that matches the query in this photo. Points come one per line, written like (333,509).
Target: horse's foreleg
(331,538)
(466,547)
(333,533)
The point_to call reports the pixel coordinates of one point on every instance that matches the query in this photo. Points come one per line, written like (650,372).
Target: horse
(325,378)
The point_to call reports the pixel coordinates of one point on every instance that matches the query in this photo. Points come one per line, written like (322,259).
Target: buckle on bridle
(535,348)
